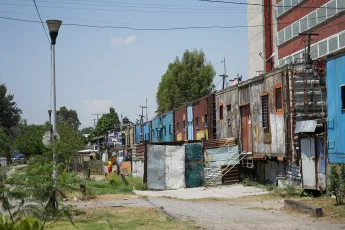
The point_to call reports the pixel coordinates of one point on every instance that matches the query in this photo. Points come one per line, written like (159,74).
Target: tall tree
(5,143)
(185,80)
(87,130)
(65,116)
(9,112)
(30,141)
(107,122)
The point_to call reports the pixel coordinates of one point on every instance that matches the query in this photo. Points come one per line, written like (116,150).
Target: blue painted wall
(336,114)
(162,128)
(146,127)
(190,122)
(137,133)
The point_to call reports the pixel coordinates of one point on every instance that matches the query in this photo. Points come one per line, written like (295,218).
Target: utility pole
(142,113)
(308,58)
(224,76)
(96,114)
(147,117)
(94,122)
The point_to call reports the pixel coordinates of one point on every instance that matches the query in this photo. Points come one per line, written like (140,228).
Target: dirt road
(238,213)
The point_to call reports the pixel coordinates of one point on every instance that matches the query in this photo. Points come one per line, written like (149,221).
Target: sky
(97,68)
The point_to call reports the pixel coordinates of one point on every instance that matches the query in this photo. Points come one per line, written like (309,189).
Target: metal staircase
(214,179)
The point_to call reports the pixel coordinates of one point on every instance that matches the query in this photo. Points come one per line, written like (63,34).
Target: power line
(143,6)
(41,21)
(259,4)
(127,10)
(151,29)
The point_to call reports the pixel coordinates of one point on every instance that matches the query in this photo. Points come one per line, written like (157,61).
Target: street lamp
(54,26)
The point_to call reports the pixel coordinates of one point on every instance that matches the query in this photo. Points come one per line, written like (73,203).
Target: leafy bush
(25,224)
(334,181)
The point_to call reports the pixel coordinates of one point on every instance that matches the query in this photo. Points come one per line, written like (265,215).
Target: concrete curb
(304,208)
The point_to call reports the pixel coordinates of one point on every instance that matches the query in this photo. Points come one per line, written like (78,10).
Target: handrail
(231,159)
(222,170)
(217,150)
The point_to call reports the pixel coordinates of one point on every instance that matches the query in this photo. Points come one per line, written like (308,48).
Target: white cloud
(123,41)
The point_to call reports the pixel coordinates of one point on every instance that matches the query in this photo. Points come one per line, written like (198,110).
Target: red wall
(325,30)
(199,110)
(298,12)
(268,31)
(179,113)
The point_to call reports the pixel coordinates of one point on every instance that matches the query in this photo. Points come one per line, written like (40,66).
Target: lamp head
(53,26)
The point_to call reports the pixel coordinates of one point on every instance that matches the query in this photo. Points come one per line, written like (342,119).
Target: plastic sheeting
(138,168)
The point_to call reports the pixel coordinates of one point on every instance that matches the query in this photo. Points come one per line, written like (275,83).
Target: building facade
(336,109)
(162,127)
(261,39)
(323,18)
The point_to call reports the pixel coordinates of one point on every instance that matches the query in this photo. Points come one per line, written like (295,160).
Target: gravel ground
(233,191)
(241,215)
(226,214)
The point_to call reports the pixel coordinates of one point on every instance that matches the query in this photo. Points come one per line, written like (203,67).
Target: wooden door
(246,129)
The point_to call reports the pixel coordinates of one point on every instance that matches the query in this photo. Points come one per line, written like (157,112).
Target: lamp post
(54,26)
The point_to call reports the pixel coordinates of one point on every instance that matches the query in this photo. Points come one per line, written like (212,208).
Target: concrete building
(262,31)
(322,17)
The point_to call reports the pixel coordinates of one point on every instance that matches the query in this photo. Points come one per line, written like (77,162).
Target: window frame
(205,120)
(281,110)
(266,128)
(228,115)
(221,112)
(184,126)
(342,97)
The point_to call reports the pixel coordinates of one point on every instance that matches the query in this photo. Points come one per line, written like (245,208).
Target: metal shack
(180,116)
(336,109)
(138,133)
(146,130)
(204,118)
(162,128)
(253,111)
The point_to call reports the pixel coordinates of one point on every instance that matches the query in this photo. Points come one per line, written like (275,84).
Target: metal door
(336,114)
(246,129)
(194,165)
(308,162)
(321,163)
(190,122)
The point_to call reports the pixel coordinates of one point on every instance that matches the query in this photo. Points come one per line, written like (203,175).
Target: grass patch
(112,184)
(121,218)
(330,209)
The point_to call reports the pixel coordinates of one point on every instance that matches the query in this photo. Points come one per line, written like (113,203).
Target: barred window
(265,113)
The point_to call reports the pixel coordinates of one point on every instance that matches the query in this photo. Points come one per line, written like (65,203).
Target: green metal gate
(194,166)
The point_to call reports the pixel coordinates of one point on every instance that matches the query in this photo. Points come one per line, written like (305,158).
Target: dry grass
(330,210)
(121,218)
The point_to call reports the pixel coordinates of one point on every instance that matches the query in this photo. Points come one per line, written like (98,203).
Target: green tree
(87,130)
(68,116)
(70,142)
(5,143)
(107,122)
(185,80)
(30,141)
(334,181)
(9,112)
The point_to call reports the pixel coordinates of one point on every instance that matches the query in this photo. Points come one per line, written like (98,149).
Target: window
(265,113)
(221,111)
(153,133)
(278,98)
(228,114)
(343,97)
(184,125)
(170,129)
(333,44)
(177,127)
(331,9)
(164,131)
(197,123)
(205,121)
